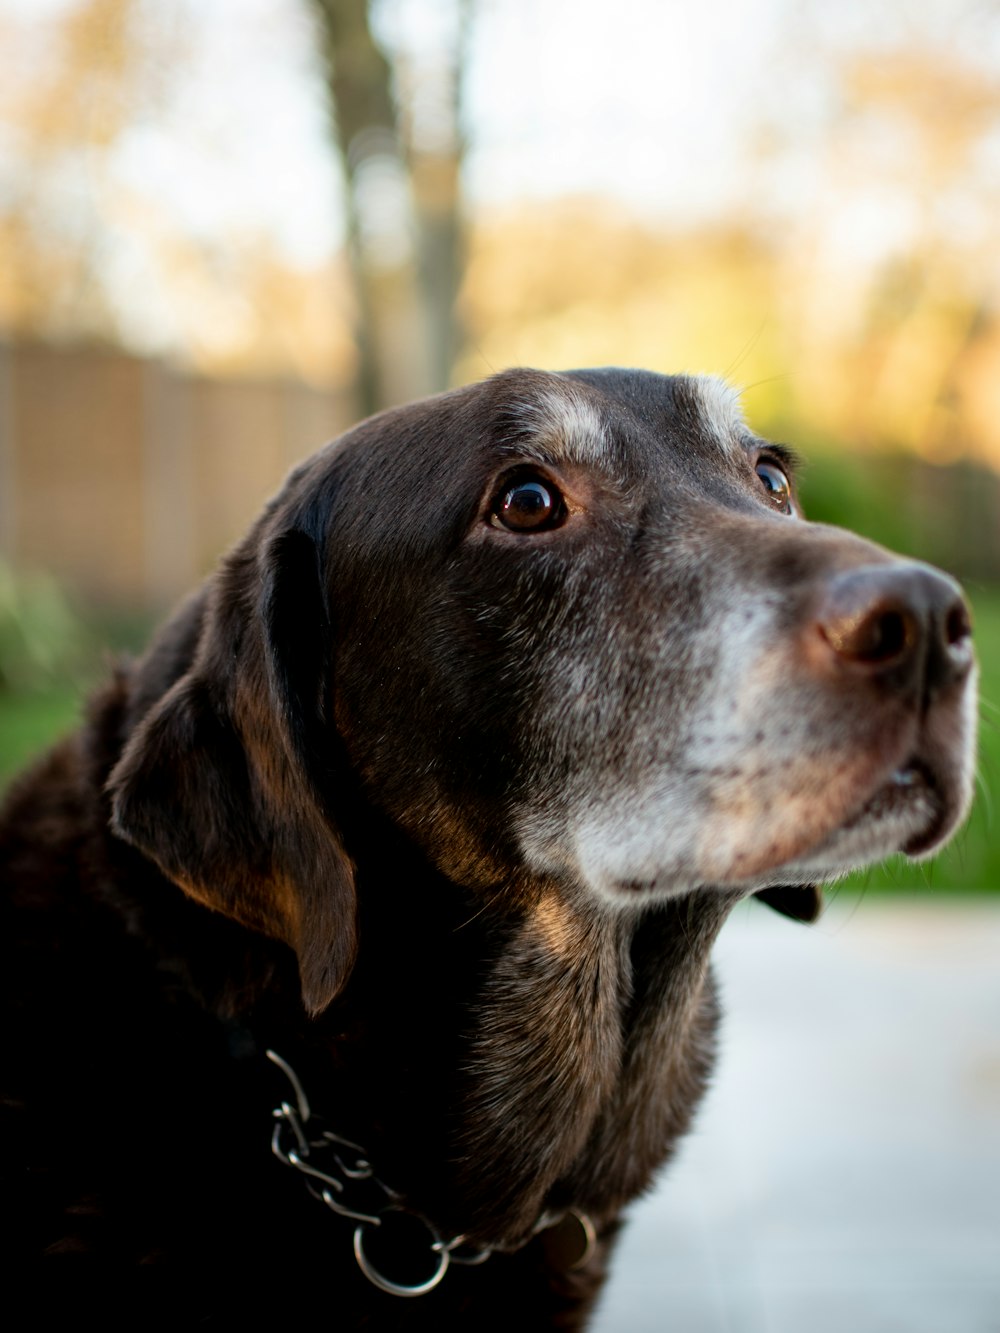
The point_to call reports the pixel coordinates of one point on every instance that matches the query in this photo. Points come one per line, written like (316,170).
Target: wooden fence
(126,478)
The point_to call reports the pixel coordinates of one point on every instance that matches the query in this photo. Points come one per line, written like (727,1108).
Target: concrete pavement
(844,1173)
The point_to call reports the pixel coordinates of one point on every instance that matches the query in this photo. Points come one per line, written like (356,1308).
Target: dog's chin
(914,811)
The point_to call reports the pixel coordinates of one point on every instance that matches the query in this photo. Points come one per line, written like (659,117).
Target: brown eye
(529,505)
(776,484)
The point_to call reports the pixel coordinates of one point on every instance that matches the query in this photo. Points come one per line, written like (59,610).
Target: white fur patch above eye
(719,409)
(567,425)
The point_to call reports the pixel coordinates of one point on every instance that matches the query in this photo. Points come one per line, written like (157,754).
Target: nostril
(877,635)
(882,637)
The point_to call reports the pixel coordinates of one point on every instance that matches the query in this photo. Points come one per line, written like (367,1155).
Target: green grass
(30,722)
(971,864)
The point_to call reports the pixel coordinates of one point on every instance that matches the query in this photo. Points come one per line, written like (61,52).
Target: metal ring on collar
(435,1248)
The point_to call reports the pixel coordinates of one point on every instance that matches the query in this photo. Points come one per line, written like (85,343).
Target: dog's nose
(906,624)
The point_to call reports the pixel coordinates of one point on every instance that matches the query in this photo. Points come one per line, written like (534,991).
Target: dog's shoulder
(107,1046)
(41,822)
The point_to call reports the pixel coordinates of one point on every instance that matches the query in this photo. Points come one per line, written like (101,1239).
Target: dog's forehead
(563,420)
(714,409)
(603,417)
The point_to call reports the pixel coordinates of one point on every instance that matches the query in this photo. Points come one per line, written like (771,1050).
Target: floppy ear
(800,902)
(218,784)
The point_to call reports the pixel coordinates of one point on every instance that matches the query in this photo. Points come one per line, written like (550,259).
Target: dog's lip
(904,782)
(910,787)
(927,782)
(895,792)
(908,804)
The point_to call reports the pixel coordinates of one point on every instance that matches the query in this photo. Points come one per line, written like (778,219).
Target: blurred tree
(913,127)
(862,261)
(894,235)
(81,233)
(64,113)
(399,138)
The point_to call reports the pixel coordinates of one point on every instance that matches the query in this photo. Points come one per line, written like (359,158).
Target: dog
(356,948)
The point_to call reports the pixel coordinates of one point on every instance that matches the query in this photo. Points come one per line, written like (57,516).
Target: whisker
(983,787)
(748,347)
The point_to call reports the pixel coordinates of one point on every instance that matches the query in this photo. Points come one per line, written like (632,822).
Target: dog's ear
(800,902)
(224,782)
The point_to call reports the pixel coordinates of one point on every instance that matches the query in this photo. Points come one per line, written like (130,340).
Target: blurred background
(229,228)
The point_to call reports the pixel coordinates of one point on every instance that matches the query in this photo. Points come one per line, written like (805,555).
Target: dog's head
(569,629)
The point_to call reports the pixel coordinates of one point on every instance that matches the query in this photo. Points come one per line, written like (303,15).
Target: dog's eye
(529,505)
(777,485)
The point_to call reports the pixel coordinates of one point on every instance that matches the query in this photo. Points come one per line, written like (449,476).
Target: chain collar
(338,1173)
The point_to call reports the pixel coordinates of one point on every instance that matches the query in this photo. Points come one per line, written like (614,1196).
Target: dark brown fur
(328,748)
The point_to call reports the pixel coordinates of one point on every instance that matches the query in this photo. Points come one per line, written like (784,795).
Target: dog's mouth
(911,807)
(913,811)
(911,788)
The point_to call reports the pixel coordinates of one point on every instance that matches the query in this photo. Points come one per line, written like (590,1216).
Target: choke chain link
(338,1174)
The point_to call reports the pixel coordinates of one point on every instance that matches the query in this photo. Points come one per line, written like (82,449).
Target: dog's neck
(593,1042)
